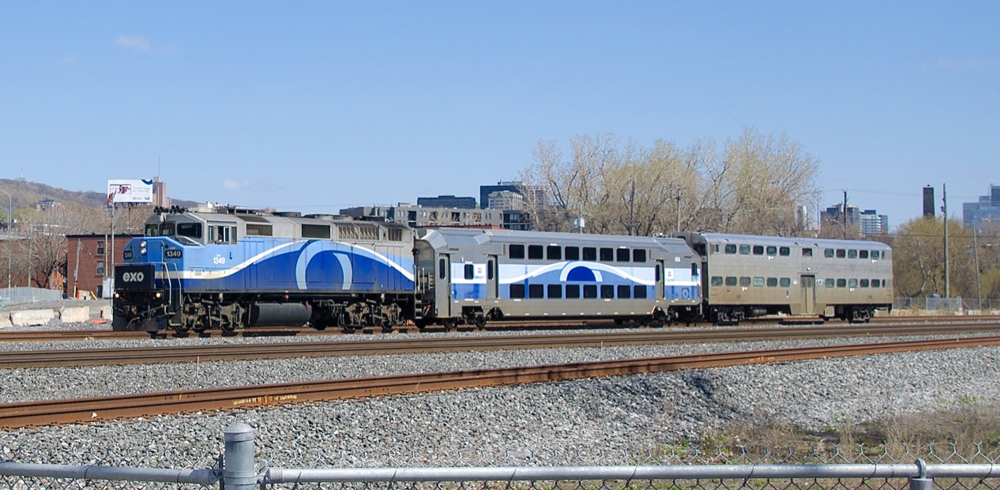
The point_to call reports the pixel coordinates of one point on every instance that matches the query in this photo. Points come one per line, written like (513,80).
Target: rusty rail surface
(15,415)
(173,353)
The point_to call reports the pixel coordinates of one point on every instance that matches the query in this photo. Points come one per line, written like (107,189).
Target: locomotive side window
(572,290)
(622,255)
(516,251)
(555,291)
(758,250)
(639,255)
(841,253)
(785,282)
(862,254)
(828,253)
(572,253)
(607,291)
(553,252)
(640,292)
(716,280)
(772,282)
(772,250)
(517,291)
(852,254)
(469,274)
(589,291)
(192,230)
(785,251)
(807,252)
(744,249)
(730,248)
(607,254)
(535,252)
(590,253)
(536,290)
(624,291)
(731,281)
(152,229)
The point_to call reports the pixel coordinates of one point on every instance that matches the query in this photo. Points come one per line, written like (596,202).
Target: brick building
(88,263)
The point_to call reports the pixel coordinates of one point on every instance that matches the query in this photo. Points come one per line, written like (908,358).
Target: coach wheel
(450,323)
(480,322)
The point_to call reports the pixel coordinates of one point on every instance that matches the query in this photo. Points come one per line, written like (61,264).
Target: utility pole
(944,210)
(845,214)
(678,210)
(631,211)
(975,252)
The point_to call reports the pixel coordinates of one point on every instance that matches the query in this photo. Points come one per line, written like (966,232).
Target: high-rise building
(928,202)
(447,202)
(869,222)
(985,212)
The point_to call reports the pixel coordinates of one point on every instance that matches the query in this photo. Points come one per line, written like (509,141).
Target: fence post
(921,481)
(239,472)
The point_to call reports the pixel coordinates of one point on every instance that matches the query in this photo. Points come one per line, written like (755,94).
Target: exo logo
(133,276)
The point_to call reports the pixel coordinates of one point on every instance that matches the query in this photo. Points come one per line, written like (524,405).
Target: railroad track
(15,415)
(172,353)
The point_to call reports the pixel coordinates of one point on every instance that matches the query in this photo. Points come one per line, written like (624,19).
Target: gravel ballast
(598,421)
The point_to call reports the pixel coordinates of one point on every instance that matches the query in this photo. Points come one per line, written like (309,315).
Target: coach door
(808,294)
(492,278)
(442,286)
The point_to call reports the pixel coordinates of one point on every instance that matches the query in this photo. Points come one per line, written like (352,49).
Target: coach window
(864,283)
(572,253)
(624,291)
(535,252)
(828,253)
(553,252)
(830,282)
(640,292)
(639,255)
(730,248)
(536,290)
(622,255)
(852,254)
(590,253)
(517,291)
(716,280)
(607,291)
(517,251)
(572,290)
(784,282)
(772,251)
(731,281)
(785,251)
(469,271)
(758,250)
(607,254)
(758,282)
(875,283)
(555,291)
(589,291)
(745,281)
(841,253)
(852,283)
(441,268)
(744,249)
(862,254)
(772,282)
(841,283)
(807,252)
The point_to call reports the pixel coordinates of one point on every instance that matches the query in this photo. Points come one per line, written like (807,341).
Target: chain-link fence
(817,465)
(943,306)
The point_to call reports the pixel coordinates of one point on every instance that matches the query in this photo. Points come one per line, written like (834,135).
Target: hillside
(25,194)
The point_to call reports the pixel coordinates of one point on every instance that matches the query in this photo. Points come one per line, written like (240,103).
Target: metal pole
(975,252)
(10,224)
(238,472)
(944,209)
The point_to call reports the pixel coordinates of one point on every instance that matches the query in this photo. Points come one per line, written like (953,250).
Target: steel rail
(249,351)
(14,415)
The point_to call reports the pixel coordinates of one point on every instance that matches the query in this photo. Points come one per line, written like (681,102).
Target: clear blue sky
(318,105)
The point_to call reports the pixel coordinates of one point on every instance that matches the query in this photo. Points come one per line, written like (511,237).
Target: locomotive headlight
(159,295)
(142,247)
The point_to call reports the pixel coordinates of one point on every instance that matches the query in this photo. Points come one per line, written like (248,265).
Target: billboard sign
(130,190)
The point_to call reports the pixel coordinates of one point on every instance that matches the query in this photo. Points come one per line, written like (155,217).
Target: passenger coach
(472,276)
(747,276)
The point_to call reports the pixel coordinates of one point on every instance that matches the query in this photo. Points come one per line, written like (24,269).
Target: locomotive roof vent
(288,214)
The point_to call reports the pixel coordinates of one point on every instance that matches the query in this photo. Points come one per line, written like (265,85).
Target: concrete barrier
(74,314)
(26,318)
(106,312)
(4,319)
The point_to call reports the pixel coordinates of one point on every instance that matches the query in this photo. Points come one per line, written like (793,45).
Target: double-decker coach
(745,276)
(475,275)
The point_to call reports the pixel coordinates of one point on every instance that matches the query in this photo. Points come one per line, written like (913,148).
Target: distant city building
(506,200)
(447,202)
(869,222)
(535,194)
(928,202)
(160,193)
(423,217)
(985,212)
